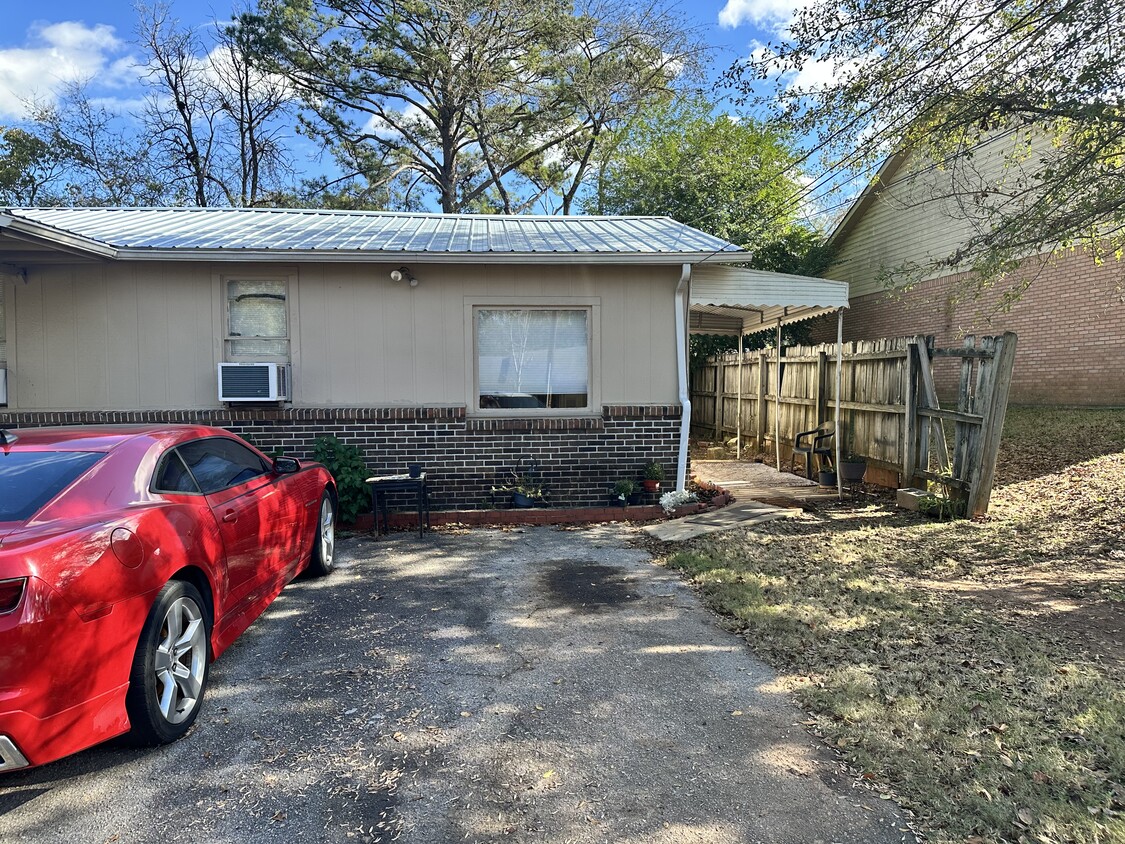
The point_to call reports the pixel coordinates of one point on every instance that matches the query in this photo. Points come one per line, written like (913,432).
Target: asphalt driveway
(534,685)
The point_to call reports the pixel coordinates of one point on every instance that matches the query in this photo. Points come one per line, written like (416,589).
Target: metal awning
(736,300)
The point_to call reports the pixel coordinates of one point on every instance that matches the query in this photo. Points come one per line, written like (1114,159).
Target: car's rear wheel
(324,545)
(170,668)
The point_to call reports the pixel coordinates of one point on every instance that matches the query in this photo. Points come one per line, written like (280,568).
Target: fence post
(911,419)
(760,426)
(821,374)
(720,384)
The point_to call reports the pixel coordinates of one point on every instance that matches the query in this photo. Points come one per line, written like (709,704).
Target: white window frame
(592,306)
(287,279)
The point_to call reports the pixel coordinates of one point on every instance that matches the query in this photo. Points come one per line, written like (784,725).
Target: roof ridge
(339,212)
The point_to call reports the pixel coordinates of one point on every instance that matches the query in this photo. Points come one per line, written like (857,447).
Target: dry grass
(919,655)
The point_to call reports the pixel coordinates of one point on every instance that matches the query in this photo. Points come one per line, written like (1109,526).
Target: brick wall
(579,459)
(1070,322)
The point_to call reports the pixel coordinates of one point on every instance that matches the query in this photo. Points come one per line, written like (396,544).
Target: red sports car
(129,559)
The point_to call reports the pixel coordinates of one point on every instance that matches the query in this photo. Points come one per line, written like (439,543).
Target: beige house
(467,343)
(1069,321)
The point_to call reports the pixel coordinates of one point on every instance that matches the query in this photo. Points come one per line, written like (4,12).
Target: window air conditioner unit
(254,382)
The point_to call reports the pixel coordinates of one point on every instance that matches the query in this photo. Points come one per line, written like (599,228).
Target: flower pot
(636,498)
(852,470)
(521,500)
(650,486)
(827,477)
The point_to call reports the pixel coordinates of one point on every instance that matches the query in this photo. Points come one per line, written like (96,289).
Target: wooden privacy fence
(890,413)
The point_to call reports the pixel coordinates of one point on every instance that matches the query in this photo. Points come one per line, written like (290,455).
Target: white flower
(671,500)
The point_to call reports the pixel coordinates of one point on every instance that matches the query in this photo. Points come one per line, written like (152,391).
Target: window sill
(585,422)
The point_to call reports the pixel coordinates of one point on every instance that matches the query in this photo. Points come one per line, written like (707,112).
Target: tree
(731,177)
(103,158)
(1040,80)
(29,168)
(483,105)
(217,121)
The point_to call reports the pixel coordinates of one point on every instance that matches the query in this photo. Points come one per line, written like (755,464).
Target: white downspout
(682,291)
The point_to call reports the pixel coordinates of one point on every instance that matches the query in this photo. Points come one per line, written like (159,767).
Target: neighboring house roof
(285,234)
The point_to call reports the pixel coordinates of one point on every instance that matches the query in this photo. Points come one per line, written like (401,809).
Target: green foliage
(703,346)
(28,165)
(347,466)
(624,488)
(653,471)
(733,178)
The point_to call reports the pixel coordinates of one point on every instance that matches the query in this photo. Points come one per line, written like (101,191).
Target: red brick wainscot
(464,457)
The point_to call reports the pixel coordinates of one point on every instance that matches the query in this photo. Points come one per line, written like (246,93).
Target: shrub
(347,466)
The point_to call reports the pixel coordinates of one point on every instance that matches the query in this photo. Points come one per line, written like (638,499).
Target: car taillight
(10,593)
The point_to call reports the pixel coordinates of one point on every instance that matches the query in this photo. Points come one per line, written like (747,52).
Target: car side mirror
(286,465)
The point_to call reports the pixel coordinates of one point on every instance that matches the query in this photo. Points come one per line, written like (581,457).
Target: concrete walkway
(762,495)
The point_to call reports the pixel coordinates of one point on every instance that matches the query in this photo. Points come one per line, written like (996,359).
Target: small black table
(383,484)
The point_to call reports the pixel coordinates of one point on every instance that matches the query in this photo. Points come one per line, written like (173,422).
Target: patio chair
(815,443)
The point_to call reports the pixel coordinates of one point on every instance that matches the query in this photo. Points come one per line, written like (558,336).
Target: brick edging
(530,516)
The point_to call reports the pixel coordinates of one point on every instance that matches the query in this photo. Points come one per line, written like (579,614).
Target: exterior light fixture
(404,274)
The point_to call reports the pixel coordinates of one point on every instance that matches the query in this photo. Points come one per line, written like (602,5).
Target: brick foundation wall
(1070,322)
(579,459)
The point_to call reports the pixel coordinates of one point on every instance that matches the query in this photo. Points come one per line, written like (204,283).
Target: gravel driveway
(533,685)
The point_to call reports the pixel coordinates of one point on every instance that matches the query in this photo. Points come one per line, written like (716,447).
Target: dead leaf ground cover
(910,645)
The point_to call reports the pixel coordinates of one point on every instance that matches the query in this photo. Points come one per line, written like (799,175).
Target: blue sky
(45,45)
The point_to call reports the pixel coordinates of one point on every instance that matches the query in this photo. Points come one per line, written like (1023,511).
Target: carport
(737,301)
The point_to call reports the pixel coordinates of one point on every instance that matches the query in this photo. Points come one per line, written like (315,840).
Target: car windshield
(29,479)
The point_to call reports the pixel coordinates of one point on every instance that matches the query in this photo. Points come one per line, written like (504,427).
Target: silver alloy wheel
(181,660)
(327,532)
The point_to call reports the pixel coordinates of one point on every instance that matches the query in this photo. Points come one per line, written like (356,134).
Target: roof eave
(49,236)
(371,256)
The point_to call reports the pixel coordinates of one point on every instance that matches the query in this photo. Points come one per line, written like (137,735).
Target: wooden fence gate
(890,412)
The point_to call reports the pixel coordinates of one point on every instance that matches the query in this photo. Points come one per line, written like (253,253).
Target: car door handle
(230,516)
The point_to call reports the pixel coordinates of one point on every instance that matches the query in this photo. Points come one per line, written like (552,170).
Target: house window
(532,358)
(257,319)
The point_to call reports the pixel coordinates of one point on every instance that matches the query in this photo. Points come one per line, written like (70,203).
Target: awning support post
(777,402)
(839,383)
(738,413)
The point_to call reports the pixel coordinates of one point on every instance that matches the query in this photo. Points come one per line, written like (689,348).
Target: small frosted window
(257,318)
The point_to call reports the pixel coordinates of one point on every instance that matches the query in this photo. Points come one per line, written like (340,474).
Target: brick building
(467,343)
(1070,320)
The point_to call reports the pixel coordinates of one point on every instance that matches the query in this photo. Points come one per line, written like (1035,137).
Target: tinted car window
(29,479)
(173,476)
(220,463)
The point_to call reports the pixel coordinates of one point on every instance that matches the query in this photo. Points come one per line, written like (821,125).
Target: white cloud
(759,12)
(56,54)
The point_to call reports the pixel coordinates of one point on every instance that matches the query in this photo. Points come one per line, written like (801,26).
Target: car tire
(171,665)
(324,543)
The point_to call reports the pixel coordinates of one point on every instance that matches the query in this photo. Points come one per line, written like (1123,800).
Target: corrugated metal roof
(132,232)
(756,299)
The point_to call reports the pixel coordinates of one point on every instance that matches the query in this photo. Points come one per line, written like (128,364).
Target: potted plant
(623,491)
(827,477)
(652,474)
(524,487)
(852,467)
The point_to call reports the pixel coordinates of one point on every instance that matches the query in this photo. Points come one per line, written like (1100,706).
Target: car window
(173,475)
(29,479)
(219,463)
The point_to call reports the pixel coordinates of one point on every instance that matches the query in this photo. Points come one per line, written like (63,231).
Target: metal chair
(815,443)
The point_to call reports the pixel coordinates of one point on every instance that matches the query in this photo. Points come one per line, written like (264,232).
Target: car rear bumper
(36,741)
